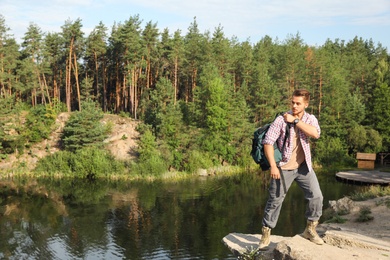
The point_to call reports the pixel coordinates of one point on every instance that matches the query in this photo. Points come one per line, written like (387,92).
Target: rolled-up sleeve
(274,131)
(312,120)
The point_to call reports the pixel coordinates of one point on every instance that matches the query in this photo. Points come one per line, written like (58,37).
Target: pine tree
(84,128)
(96,49)
(33,65)
(380,112)
(73,37)
(9,53)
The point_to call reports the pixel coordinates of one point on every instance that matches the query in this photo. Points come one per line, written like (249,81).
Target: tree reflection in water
(79,219)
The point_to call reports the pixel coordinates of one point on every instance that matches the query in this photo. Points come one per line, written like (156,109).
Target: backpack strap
(287,131)
(284,145)
(285,136)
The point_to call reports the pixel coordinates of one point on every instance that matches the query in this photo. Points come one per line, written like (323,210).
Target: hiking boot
(311,233)
(265,236)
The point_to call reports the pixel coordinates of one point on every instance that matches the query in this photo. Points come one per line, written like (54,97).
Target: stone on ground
(338,245)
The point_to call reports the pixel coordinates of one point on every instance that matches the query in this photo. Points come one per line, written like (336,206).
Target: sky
(314,21)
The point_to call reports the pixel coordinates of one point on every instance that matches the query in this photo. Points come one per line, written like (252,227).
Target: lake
(81,219)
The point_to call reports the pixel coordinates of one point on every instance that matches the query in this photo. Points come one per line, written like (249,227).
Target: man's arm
(269,153)
(309,130)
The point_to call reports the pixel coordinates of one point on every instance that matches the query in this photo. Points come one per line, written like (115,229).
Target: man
(296,165)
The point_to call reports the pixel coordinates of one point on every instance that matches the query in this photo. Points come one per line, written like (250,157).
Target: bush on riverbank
(88,162)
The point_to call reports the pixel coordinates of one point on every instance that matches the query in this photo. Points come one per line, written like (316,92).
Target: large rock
(246,245)
(345,205)
(338,245)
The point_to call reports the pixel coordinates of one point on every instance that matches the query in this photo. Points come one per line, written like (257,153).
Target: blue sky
(314,20)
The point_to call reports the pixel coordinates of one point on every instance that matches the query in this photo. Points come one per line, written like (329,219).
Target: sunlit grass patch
(371,193)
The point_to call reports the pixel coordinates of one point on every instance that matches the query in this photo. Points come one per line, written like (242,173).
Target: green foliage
(380,113)
(150,161)
(364,215)
(331,216)
(364,140)
(21,125)
(374,142)
(240,131)
(87,162)
(213,107)
(336,219)
(123,114)
(11,127)
(147,146)
(198,160)
(251,253)
(84,128)
(153,166)
(39,122)
(160,109)
(172,128)
(355,110)
(332,151)
(6,126)
(385,201)
(371,192)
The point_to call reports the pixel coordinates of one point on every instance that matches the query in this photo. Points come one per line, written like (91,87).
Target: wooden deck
(373,177)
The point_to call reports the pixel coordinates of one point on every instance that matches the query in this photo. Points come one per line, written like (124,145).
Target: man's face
(298,105)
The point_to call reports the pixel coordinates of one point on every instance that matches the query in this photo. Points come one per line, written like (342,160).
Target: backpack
(257,151)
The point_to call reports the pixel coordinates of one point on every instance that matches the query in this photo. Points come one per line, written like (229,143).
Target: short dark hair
(302,93)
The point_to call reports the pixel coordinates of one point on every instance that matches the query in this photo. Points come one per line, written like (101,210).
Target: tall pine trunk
(175,78)
(68,87)
(76,75)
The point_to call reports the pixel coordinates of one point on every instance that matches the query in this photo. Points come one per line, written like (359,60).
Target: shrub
(331,216)
(39,122)
(153,166)
(364,215)
(56,163)
(88,162)
(198,160)
(150,161)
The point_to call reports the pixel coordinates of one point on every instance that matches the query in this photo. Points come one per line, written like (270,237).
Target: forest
(198,95)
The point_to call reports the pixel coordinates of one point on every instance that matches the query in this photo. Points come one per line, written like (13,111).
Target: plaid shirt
(277,132)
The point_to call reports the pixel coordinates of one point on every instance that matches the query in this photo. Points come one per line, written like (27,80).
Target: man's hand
(289,118)
(275,173)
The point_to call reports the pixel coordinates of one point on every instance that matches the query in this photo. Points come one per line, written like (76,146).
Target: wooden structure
(373,177)
(366,160)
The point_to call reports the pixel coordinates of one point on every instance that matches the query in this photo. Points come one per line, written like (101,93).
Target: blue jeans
(307,181)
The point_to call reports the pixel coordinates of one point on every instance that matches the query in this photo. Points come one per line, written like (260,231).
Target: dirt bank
(121,142)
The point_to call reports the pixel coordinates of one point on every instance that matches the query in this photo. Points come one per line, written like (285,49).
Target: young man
(296,165)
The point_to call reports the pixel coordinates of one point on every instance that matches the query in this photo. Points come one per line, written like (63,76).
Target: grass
(371,193)
(251,254)
(336,219)
(385,201)
(331,216)
(364,215)
(21,170)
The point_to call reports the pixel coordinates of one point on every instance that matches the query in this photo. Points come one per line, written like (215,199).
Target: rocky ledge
(347,241)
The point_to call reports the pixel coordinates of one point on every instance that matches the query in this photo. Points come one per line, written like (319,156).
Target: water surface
(79,219)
